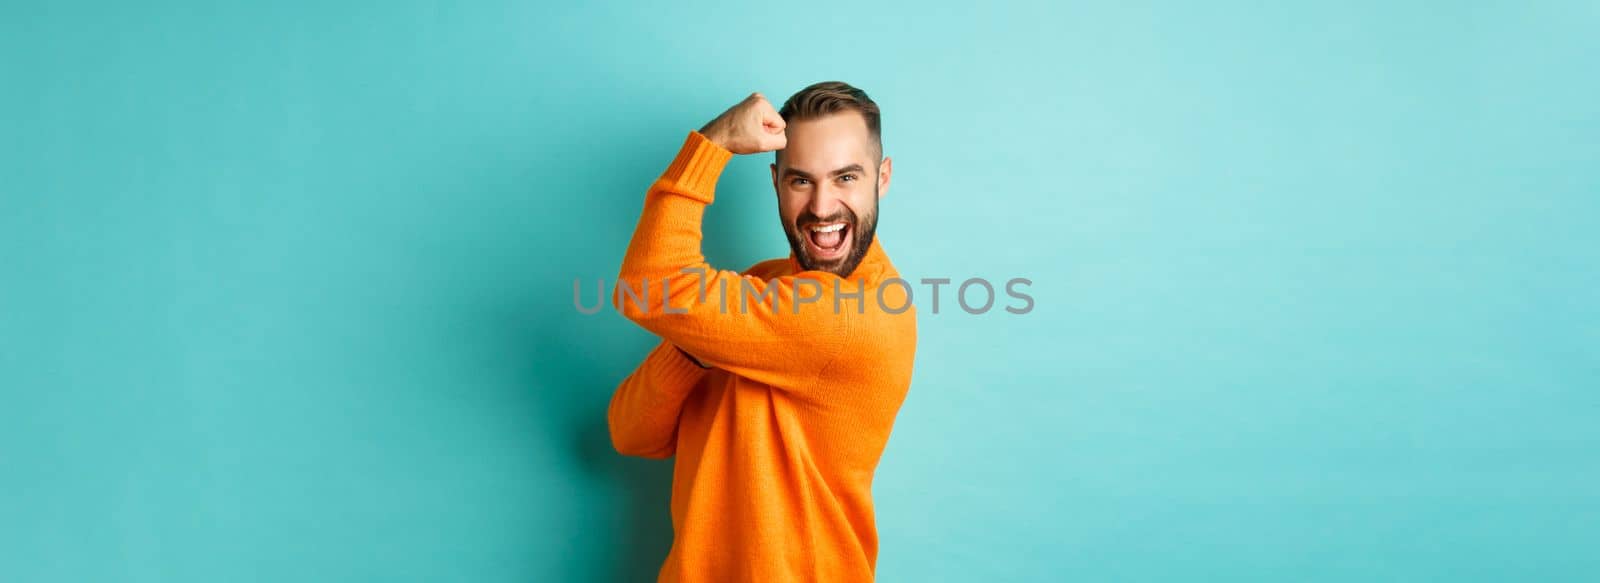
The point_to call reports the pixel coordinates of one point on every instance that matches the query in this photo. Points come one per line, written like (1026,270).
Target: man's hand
(751,126)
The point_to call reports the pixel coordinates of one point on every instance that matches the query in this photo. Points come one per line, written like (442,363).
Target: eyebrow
(787,172)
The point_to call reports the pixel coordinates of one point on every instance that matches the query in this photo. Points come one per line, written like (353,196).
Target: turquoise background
(286,288)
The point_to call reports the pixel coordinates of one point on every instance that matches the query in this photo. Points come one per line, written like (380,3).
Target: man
(776,389)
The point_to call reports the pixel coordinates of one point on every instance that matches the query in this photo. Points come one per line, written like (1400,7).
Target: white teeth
(828,228)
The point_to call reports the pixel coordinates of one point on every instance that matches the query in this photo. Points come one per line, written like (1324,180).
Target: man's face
(828,179)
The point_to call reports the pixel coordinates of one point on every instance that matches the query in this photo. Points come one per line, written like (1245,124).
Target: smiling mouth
(828,240)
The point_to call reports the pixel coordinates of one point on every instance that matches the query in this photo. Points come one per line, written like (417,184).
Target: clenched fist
(749,127)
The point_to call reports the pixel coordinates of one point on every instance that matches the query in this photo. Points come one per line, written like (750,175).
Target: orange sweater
(777,441)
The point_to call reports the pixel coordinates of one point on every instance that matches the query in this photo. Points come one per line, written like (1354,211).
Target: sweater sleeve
(780,331)
(643,416)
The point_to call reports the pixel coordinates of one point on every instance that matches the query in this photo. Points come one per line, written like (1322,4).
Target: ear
(885,168)
(774,177)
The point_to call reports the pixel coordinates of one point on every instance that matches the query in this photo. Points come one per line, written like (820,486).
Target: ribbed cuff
(695,171)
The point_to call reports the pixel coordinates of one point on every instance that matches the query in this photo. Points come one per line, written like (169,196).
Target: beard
(859,230)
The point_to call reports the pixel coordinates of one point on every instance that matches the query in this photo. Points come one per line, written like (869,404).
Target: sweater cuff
(695,171)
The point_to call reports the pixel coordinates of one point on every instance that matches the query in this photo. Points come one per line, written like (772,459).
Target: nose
(826,201)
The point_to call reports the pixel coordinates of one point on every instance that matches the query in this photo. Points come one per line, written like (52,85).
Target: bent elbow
(631,445)
(644,452)
(629,441)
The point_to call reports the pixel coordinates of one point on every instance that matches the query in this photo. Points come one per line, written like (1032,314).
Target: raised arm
(780,331)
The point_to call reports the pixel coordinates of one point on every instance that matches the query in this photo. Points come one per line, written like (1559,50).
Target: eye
(848,178)
(799,181)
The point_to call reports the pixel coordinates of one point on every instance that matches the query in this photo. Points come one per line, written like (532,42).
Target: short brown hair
(830,97)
